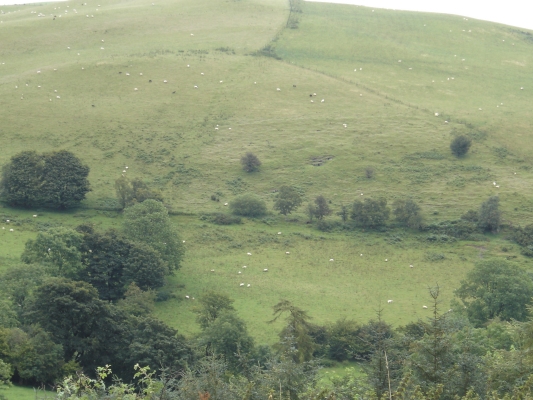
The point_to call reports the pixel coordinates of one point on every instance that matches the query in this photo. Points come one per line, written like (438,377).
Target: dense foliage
(460,145)
(250,162)
(148,222)
(370,213)
(130,192)
(248,205)
(287,200)
(54,180)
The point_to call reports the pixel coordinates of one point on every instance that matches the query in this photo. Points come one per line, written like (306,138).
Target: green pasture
(166,133)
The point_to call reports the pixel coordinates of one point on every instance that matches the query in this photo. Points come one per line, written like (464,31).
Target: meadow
(131,83)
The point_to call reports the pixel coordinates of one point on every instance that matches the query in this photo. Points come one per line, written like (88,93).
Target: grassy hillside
(128,83)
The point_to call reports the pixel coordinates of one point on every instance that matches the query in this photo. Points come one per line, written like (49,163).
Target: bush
(460,145)
(54,180)
(248,205)
(221,219)
(327,226)
(370,213)
(322,208)
(132,192)
(250,162)
(524,236)
(407,213)
(490,215)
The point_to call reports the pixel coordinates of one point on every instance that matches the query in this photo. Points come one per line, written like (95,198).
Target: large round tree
(54,180)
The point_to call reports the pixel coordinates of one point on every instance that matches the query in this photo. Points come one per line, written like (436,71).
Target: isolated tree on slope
(287,200)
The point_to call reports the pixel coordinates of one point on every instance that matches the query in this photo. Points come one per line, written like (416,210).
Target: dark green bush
(460,145)
(370,213)
(222,219)
(248,205)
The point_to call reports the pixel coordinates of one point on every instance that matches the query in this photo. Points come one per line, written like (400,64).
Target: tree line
(64,334)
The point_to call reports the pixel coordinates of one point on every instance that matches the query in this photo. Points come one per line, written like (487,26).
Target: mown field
(69,83)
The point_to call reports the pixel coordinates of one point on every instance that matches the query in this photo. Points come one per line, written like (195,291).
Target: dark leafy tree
(130,192)
(148,222)
(287,200)
(407,213)
(64,180)
(58,249)
(210,306)
(250,162)
(137,302)
(496,288)
(6,372)
(295,333)
(344,213)
(228,336)
(321,207)
(112,262)
(91,331)
(22,180)
(489,215)
(55,180)
(35,358)
(157,345)
(370,213)
(343,339)
(248,205)
(460,145)
(19,282)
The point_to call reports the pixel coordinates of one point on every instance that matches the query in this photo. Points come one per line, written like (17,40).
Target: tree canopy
(287,200)
(148,222)
(496,288)
(54,180)
(370,213)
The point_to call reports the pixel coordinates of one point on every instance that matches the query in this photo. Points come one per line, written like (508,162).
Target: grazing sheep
(248,285)
(265,270)
(331,259)
(411,266)
(244,266)
(242,284)
(249,254)
(278,89)
(424,307)
(279,233)
(212,270)
(34,215)
(186,296)
(287,252)
(11,230)
(389,301)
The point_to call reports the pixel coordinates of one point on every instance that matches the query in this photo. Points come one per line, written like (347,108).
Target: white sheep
(411,266)
(248,285)
(186,296)
(279,233)
(34,215)
(240,272)
(389,301)
(249,254)
(424,307)
(265,270)
(278,89)
(11,230)
(242,284)
(331,259)
(287,252)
